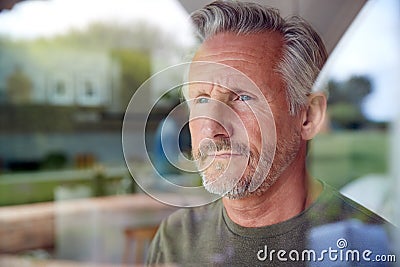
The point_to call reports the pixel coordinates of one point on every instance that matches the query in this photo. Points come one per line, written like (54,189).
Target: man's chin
(241,190)
(237,192)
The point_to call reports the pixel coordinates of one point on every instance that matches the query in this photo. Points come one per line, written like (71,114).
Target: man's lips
(223,155)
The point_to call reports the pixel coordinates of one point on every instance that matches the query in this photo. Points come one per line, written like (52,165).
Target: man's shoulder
(337,207)
(182,231)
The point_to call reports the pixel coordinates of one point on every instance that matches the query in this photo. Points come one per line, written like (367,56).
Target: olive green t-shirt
(206,236)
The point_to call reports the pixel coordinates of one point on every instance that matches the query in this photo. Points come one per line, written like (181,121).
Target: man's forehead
(236,61)
(207,77)
(218,74)
(213,71)
(252,54)
(231,45)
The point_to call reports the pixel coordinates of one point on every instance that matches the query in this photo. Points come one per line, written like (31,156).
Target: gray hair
(304,53)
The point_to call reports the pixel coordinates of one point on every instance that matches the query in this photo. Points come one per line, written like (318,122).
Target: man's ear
(313,116)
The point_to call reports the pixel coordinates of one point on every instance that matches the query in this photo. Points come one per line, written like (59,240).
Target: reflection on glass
(65,82)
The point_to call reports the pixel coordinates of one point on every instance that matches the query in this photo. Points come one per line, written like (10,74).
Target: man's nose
(216,124)
(214,129)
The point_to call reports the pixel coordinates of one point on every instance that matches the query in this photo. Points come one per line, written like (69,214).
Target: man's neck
(286,198)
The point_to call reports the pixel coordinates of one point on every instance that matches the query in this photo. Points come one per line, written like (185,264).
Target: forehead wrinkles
(214,73)
(243,61)
(250,48)
(221,78)
(254,55)
(251,68)
(226,57)
(211,72)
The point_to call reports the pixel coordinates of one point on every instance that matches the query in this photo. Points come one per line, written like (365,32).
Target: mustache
(213,146)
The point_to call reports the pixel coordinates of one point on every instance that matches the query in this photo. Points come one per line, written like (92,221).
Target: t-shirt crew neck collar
(279,228)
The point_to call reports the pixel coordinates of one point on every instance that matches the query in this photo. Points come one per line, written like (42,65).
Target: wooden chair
(142,237)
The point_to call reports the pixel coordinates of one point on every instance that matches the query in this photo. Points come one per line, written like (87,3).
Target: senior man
(268,198)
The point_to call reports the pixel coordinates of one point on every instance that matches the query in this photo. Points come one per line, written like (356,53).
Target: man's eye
(202,100)
(244,98)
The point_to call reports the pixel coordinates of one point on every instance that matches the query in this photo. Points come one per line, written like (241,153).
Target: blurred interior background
(68,69)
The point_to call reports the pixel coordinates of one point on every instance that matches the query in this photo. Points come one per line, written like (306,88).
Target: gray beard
(262,170)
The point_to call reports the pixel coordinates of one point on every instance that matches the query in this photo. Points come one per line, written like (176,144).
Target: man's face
(242,134)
